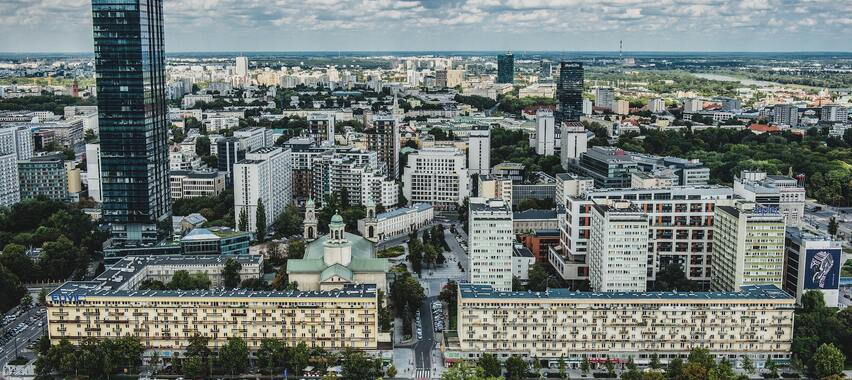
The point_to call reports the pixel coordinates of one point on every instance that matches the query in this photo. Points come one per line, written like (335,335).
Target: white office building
(264,176)
(437,176)
(546,133)
(618,248)
(692,105)
(253,138)
(16,143)
(574,142)
(774,191)
(479,150)
(93,171)
(241,68)
(491,241)
(604,97)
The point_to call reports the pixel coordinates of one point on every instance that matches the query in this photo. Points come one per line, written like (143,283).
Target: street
(17,343)
(820,217)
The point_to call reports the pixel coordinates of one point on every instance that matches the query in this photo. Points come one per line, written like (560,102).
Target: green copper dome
(337,219)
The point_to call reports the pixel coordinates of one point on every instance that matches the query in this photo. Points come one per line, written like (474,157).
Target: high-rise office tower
(383,138)
(569,92)
(505,68)
(241,68)
(479,150)
(545,71)
(131,73)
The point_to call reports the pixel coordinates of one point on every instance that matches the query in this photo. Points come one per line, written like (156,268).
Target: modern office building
(574,141)
(399,222)
(545,71)
(132,108)
(569,92)
(812,262)
(506,68)
(610,167)
(437,176)
(43,176)
(540,241)
(479,150)
(254,138)
(383,137)
(353,175)
(110,307)
(748,246)
(785,114)
(618,248)
(776,191)
(547,133)
(194,184)
(263,177)
(229,152)
(602,326)
(215,241)
(321,128)
(680,228)
(510,170)
(491,240)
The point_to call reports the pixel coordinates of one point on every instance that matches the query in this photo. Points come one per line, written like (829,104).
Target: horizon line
(463,51)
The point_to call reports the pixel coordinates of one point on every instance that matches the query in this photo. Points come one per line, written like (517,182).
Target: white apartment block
(781,192)
(190,101)
(618,248)
(748,246)
(756,323)
(493,187)
(265,176)
(437,176)
(18,140)
(692,105)
(16,143)
(491,239)
(680,228)
(522,261)
(834,113)
(604,97)
(479,150)
(10,190)
(400,222)
(93,171)
(253,138)
(621,107)
(194,184)
(656,105)
(573,141)
(546,133)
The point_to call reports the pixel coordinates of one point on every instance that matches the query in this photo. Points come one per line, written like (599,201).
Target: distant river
(745,82)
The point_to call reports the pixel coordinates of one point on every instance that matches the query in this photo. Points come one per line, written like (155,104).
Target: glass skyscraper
(132,113)
(505,68)
(569,91)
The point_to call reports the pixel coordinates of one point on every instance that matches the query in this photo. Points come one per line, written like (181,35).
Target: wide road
(20,341)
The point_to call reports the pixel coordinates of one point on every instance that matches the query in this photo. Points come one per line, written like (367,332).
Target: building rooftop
(546,232)
(490,205)
(70,290)
(417,207)
(518,250)
(533,214)
(754,292)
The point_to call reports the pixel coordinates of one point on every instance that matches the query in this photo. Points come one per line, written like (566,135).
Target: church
(338,258)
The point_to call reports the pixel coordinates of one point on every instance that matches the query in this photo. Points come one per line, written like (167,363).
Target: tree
(672,277)
(832,226)
(11,288)
(490,365)
(563,368)
(234,355)
(271,354)
(674,371)
(289,223)
(15,259)
(610,368)
(723,371)
(198,347)
(26,301)
(243,222)
(299,358)
(748,365)
(182,280)
(654,361)
(702,357)
(465,371)
(202,146)
(538,278)
(357,366)
(42,297)
(516,368)
(193,367)
(827,361)
(772,368)
(231,273)
(391,372)
(585,366)
(296,249)
(653,375)
(260,222)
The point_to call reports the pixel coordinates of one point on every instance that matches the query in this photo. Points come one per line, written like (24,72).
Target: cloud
(451,24)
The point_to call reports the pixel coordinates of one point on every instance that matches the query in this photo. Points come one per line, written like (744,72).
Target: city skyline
(471,25)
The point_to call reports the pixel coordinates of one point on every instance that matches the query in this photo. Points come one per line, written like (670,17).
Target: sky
(452,25)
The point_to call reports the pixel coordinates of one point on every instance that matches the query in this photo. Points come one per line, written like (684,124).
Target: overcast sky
(559,25)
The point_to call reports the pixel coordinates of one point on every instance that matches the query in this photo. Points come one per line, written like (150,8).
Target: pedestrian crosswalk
(423,374)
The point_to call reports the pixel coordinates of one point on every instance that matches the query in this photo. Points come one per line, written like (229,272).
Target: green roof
(336,270)
(301,266)
(361,248)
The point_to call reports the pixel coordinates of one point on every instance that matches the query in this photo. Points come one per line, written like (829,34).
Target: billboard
(822,268)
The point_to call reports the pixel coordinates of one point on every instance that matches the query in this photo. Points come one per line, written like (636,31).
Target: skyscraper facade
(506,68)
(569,92)
(130,65)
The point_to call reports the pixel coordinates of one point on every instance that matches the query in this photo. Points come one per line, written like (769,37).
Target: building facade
(383,137)
(44,176)
(194,184)
(130,65)
(748,246)
(506,68)
(479,150)
(569,92)
(437,176)
(399,222)
(491,240)
(756,322)
(812,262)
(263,177)
(618,248)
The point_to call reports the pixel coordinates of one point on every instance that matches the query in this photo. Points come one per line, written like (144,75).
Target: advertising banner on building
(822,268)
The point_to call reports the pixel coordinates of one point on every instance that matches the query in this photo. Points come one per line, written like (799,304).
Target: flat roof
(85,289)
(534,214)
(754,292)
